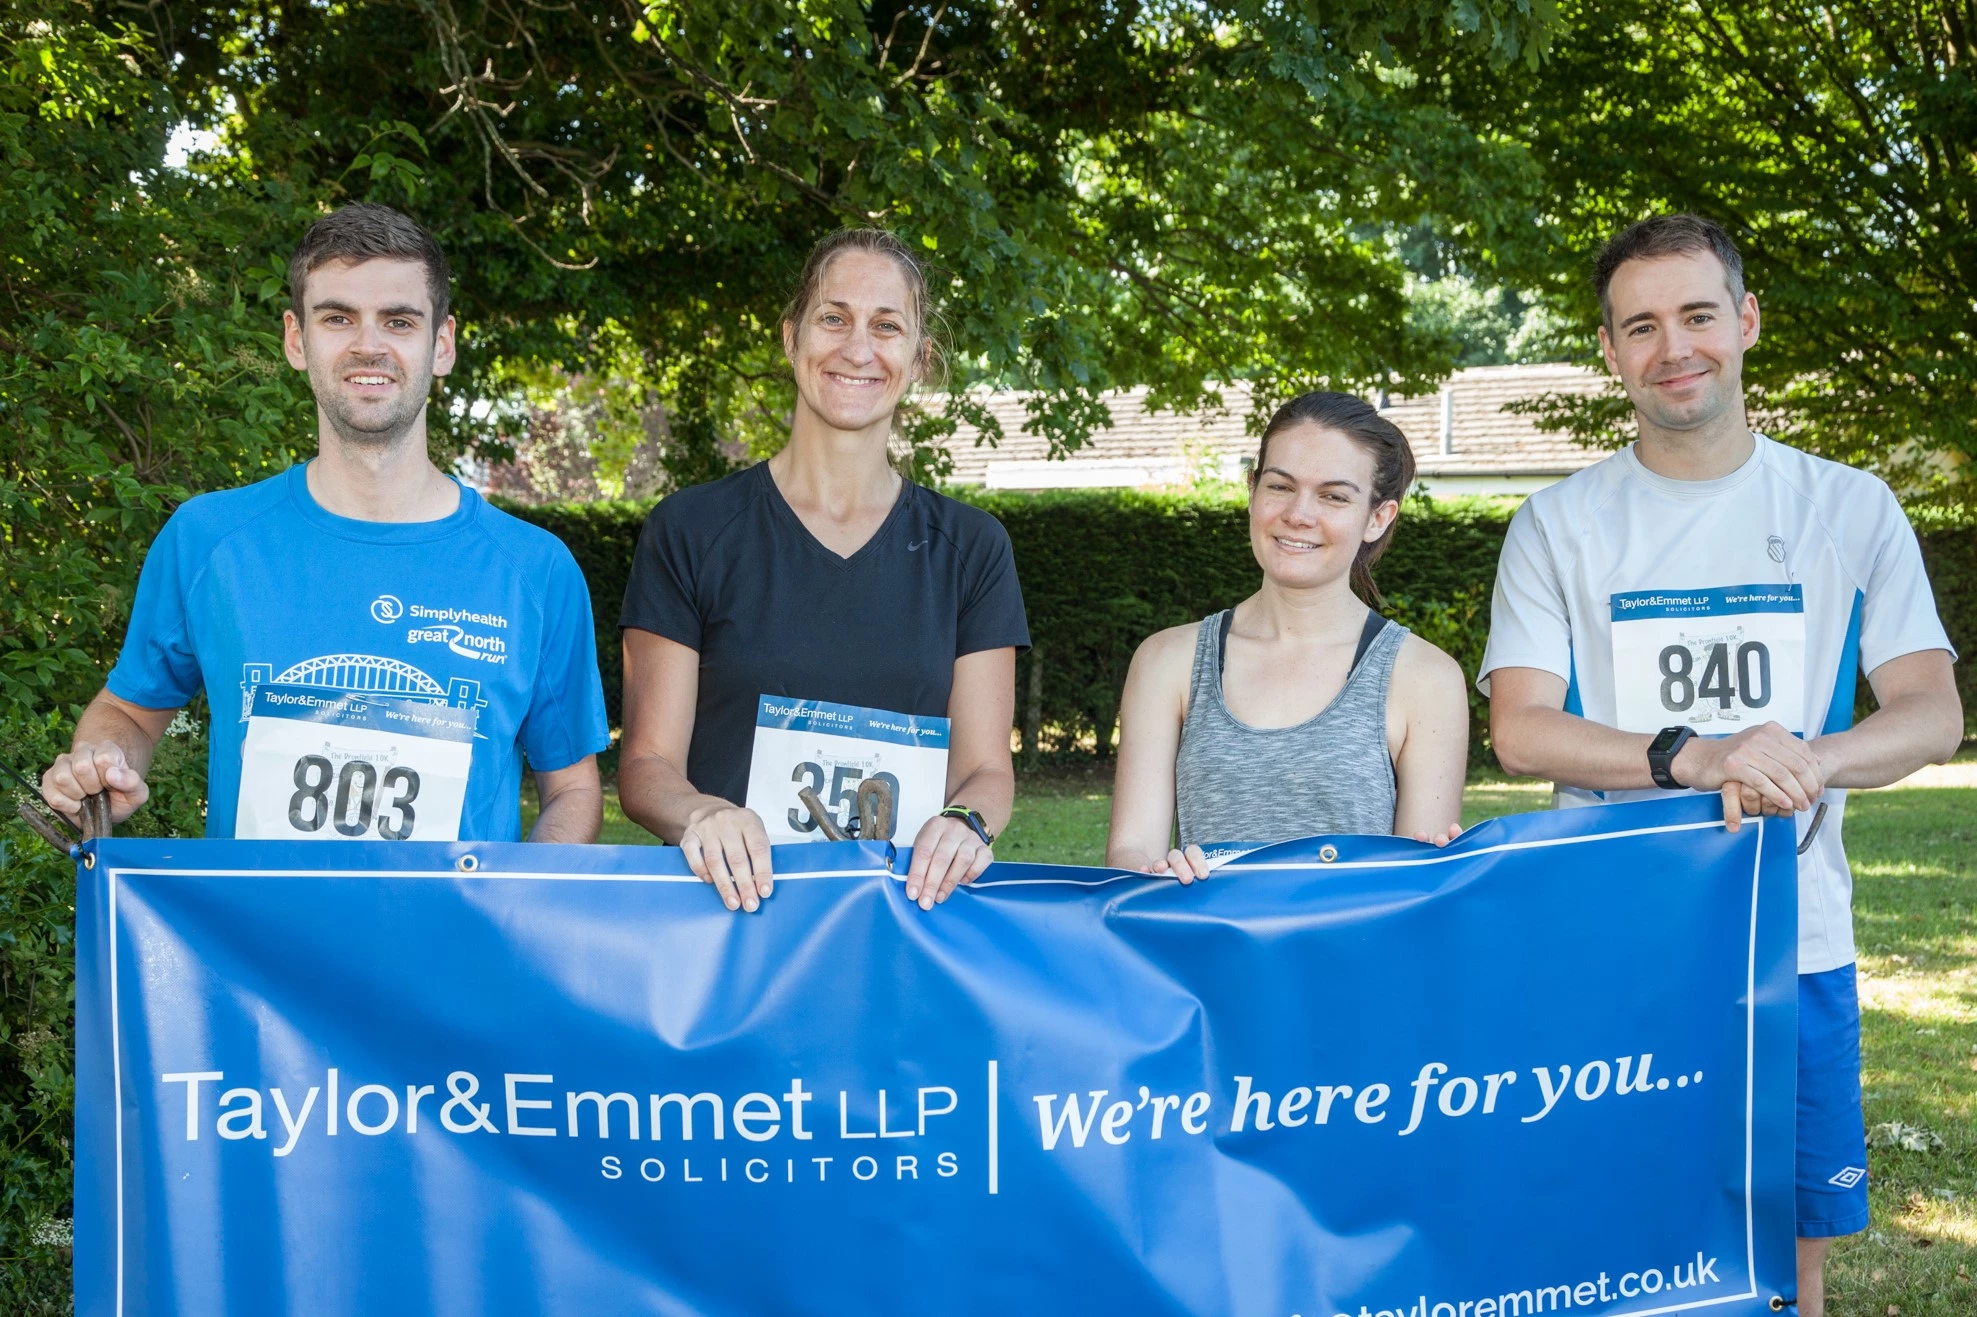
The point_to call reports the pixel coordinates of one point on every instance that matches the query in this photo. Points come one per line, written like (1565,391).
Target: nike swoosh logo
(914,546)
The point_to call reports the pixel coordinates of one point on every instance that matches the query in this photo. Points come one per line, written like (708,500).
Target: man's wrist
(1830,751)
(1683,766)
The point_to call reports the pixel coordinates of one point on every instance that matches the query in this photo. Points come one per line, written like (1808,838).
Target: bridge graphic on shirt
(364,674)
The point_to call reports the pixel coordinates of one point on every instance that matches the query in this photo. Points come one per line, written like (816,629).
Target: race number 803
(1744,678)
(348,798)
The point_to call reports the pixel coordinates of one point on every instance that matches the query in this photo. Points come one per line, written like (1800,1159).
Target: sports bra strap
(1369,633)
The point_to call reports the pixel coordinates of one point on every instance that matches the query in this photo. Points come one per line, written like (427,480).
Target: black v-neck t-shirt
(728,569)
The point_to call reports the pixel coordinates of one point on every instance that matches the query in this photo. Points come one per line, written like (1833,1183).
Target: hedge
(1950,553)
(1102,569)
(601,537)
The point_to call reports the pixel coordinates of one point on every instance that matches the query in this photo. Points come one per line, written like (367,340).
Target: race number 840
(1726,676)
(349,798)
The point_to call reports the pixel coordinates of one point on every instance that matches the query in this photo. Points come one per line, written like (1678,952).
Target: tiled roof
(1156,448)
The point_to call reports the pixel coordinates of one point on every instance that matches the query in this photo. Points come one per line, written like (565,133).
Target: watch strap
(1661,762)
(972,819)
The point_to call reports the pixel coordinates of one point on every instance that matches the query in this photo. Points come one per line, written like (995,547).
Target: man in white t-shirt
(1692,614)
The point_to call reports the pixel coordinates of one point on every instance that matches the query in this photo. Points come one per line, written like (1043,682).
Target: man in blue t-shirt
(380,648)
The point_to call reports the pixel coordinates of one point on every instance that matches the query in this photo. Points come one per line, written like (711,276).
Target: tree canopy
(1163,194)
(1836,140)
(1172,195)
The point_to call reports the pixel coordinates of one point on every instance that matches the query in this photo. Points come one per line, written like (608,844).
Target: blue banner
(1548,1069)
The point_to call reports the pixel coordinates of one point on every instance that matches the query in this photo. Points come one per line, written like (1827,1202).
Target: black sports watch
(972,819)
(1661,752)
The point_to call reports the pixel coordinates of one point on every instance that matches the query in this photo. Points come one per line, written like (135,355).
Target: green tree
(137,366)
(1167,194)
(1837,140)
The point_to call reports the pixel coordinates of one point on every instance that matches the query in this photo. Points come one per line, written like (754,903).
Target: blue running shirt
(477,610)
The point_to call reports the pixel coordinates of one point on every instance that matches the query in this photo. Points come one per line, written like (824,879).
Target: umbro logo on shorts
(1849,1177)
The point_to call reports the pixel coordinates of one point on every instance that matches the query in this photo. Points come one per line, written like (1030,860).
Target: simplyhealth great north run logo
(446,626)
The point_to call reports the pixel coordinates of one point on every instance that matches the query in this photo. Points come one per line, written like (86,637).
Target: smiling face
(1676,337)
(1311,507)
(366,337)
(858,345)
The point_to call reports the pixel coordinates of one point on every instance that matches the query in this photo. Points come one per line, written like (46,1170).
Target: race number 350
(842,800)
(354,798)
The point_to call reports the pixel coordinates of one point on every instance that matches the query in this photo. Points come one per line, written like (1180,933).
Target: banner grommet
(1326,854)
(467,864)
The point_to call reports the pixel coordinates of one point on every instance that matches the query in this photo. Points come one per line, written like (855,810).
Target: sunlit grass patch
(1914,855)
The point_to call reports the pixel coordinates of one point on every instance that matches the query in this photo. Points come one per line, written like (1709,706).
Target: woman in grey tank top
(1301,711)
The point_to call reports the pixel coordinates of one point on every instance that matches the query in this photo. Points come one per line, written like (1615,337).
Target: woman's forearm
(991,792)
(658,797)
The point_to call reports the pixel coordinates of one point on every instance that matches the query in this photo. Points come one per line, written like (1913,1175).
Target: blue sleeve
(158,668)
(566,718)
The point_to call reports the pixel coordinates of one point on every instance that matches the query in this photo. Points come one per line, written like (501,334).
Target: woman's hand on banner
(91,767)
(1441,837)
(1185,863)
(728,847)
(946,854)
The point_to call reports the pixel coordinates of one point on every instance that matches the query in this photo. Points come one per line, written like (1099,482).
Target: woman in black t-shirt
(821,576)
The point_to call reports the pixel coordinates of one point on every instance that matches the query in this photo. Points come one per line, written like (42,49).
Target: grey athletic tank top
(1331,773)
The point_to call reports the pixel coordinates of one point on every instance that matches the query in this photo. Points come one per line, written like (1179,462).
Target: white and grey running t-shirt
(1722,604)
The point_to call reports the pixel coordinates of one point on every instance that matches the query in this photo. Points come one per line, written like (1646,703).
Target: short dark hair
(365,231)
(1666,235)
(1393,462)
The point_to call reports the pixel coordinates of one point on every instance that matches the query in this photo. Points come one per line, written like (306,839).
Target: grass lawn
(1914,857)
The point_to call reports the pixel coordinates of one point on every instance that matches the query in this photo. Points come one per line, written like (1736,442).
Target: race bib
(831,748)
(1718,660)
(322,765)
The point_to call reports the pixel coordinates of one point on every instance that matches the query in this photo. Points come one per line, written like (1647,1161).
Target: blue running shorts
(1832,1135)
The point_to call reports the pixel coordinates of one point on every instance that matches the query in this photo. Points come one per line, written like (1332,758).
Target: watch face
(1664,740)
